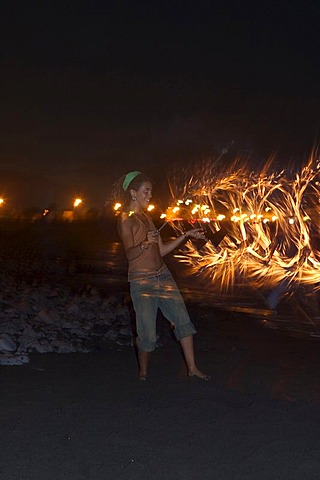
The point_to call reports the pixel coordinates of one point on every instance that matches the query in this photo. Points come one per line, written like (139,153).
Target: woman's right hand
(152,236)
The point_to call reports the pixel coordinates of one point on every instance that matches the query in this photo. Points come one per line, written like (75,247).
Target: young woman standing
(151,284)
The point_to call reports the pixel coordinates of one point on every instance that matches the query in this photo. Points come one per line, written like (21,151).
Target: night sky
(90,90)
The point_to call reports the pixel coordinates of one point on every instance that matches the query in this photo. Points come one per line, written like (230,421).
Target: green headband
(128,179)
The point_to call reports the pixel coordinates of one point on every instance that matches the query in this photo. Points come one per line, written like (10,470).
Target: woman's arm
(167,247)
(125,227)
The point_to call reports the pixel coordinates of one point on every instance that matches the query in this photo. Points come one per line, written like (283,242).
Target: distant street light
(77,202)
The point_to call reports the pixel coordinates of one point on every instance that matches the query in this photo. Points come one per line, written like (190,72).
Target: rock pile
(45,318)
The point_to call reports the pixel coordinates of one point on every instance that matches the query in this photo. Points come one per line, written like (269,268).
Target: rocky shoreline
(46,318)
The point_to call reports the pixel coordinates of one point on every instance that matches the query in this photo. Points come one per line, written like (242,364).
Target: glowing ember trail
(262,226)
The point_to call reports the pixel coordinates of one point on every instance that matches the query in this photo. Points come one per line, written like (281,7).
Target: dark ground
(86,416)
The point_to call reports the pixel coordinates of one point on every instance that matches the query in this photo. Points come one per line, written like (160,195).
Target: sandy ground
(86,416)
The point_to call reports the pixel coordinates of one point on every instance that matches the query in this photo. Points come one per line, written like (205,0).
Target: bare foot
(196,373)
(142,376)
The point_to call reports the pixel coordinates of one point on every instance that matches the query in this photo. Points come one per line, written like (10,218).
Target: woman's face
(143,195)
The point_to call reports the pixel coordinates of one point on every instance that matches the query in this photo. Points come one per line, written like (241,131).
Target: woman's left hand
(196,233)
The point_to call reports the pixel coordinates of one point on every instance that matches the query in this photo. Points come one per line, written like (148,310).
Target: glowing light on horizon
(77,202)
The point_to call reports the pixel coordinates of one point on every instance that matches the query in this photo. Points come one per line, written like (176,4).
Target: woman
(151,284)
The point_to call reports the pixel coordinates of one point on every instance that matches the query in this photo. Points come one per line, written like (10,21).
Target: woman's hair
(124,196)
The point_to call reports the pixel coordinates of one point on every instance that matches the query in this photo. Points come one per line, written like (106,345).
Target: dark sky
(92,89)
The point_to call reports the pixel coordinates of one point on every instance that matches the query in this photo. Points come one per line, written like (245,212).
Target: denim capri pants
(158,291)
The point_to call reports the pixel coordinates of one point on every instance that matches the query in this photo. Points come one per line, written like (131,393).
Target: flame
(271,222)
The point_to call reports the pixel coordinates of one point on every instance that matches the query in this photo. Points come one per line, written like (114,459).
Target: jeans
(149,294)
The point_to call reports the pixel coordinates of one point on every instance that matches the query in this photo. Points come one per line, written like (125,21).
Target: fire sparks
(264,226)
(269,224)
